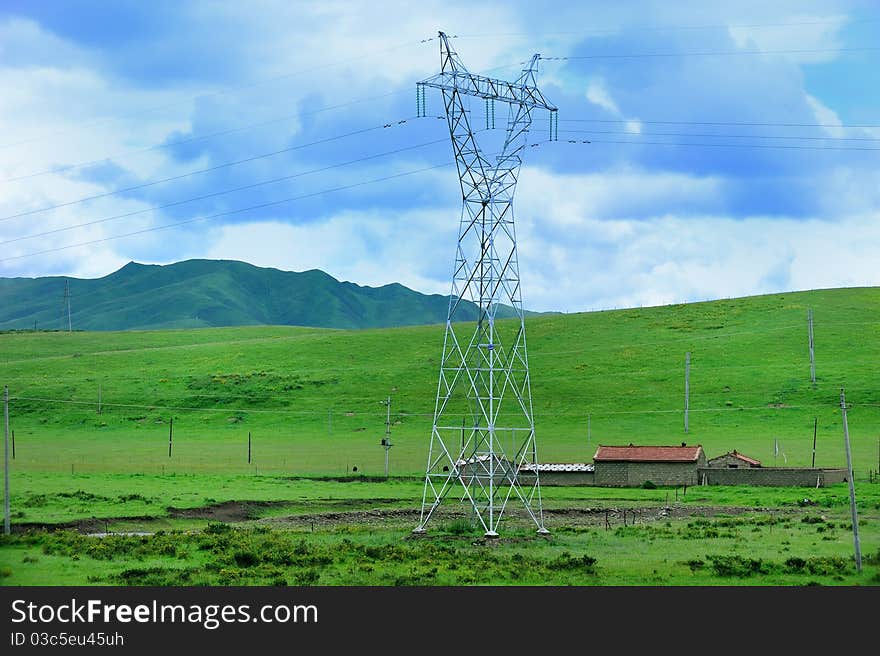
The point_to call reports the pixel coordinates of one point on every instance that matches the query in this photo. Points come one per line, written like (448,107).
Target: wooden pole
(249,447)
(687,387)
(170,435)
(852,489)
(6,528)
(815,426)
(13,445)
(812,353)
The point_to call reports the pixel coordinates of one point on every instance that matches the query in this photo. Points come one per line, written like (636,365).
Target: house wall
(633,474)
(566,478)
(772,476)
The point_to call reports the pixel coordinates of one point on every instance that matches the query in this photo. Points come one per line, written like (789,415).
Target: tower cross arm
(489,88)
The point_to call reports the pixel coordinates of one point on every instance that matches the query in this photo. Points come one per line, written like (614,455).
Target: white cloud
(798,32)
(826,116)
(597,93)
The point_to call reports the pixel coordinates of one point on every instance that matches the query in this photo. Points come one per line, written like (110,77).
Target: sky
(705,150)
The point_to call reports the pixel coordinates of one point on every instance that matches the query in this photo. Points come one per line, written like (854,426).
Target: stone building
(632,466)
(733,460)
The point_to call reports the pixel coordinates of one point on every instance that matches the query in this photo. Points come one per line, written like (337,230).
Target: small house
(632,466)
(733,460)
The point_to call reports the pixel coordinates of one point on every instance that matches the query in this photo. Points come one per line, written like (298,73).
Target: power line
(204,137)
(724,123)
(719,136)
(719,53)
(661,28)
(719,145)
(221,92)
(227,213)
(225,191)
(217,167)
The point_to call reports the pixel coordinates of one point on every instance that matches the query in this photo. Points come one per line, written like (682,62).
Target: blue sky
(735,147)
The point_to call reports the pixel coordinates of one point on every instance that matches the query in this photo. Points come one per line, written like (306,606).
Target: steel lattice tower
(483,433)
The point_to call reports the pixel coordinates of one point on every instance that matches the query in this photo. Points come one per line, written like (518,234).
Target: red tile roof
(648,453)
(751,461)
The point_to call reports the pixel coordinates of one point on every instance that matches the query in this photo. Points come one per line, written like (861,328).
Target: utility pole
(812,354)
(170,434)
(852,488)
(6,460)
(386,441)
(67,303)
(249,447)
(815,426)
(687,387)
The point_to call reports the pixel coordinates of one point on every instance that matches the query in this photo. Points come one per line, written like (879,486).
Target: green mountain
(214,293)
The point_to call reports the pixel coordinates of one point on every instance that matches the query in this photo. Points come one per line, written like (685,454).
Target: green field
(307,532)
(311,400)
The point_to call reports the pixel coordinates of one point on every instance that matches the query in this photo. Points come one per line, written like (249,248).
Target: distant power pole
(815,427)
(687,387)
(170,435)
(386,441)
(852,488)
(812,354)
(67,305)
(6,460)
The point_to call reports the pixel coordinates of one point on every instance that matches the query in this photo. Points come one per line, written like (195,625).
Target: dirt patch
(242,511)
(92,525)
(228,511)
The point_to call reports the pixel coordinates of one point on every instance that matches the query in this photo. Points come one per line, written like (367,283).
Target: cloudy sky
(734,147)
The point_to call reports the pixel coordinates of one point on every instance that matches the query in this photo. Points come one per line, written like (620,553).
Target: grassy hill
(213,293)
(311,398)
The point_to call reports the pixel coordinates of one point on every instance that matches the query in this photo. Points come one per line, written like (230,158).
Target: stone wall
(633,474)
(772,476)
(728,461)
(565,478)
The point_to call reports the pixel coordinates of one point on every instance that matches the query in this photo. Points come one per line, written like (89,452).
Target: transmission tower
(484,372)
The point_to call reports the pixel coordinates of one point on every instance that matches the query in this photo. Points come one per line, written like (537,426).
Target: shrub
(245,558)
(460,527)
(307,577)
(649,485)
(736,566)
(566,561)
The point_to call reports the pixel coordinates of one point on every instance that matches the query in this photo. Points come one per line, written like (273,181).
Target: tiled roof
(648,453)
(558,467)
(735,454)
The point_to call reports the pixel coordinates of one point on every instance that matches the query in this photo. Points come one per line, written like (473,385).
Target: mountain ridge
(201,293)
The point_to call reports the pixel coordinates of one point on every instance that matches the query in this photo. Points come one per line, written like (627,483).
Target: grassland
(311,400)
(311,532)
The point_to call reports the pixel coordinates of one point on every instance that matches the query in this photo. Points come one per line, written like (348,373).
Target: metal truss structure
(483,433)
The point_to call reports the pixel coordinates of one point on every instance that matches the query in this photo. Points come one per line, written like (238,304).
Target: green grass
(800,546)
(311,398)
